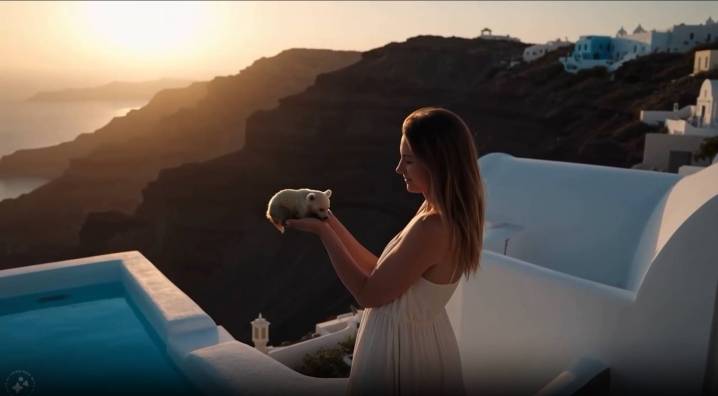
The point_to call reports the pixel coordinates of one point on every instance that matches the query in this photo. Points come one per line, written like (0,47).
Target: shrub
(328,362)
(708,149)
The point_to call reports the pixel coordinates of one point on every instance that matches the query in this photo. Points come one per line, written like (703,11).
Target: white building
(705,60)
(687,128)
(537,51)
(486,34)
(613,52)
(703,119)
(700,119)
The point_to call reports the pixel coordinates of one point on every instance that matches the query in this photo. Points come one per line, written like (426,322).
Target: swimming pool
(83,340)
(114,324)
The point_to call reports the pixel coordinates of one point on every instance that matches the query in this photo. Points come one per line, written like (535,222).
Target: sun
(145,29)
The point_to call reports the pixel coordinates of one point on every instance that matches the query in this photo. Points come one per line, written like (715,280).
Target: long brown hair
(443,142)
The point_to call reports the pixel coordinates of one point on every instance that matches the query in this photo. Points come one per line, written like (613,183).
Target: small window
(708,38)
(690,36)
(634,48)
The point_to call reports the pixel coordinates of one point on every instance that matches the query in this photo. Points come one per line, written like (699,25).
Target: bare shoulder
(433,222)
(430,228)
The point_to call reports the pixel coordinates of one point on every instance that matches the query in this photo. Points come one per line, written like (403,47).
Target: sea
(25,124)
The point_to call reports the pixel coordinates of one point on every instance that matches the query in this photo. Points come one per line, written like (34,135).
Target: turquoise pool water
(88,340)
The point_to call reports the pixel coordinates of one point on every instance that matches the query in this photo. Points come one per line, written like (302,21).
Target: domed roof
(621,32)
(638,29)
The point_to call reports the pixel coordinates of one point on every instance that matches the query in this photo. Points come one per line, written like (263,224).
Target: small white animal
(296,204)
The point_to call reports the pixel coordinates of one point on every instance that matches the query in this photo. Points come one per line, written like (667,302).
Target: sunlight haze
(75,44)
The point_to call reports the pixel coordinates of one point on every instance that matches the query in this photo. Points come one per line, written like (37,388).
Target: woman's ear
(328,193)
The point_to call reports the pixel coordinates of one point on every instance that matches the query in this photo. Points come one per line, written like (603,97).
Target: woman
(405,343)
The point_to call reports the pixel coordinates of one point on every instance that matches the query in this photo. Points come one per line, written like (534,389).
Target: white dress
(408,347)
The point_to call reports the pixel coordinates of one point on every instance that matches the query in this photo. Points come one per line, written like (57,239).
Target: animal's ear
(328,193)
(310,196)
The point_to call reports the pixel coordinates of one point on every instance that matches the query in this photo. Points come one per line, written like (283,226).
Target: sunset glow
(146,29)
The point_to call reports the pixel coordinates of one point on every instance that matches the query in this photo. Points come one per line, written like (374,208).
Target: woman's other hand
(308,224)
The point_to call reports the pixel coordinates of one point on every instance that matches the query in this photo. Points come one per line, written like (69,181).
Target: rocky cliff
(107,170)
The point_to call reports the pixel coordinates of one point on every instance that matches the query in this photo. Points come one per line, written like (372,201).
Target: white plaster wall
(534,52)
(664,344)
(537,51)
(339,323)
(659,41)
(585,229)
(625,46)
(684,198)
(520,324)
(657,117)
(684,128)
(705,60)
(686,170)
(706,101)
(657,147)
(681,41)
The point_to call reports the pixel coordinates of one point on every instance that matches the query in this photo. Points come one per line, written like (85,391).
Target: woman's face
(415,174)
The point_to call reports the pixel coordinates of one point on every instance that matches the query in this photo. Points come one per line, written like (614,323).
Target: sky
(77,44)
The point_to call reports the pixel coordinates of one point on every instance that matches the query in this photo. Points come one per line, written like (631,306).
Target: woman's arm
(352,275)
(366,259)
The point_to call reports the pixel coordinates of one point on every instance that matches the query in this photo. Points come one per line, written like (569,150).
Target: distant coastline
(13,187)
(114,91)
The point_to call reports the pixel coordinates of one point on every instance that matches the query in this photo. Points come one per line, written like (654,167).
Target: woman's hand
(331,219)
(308,224)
